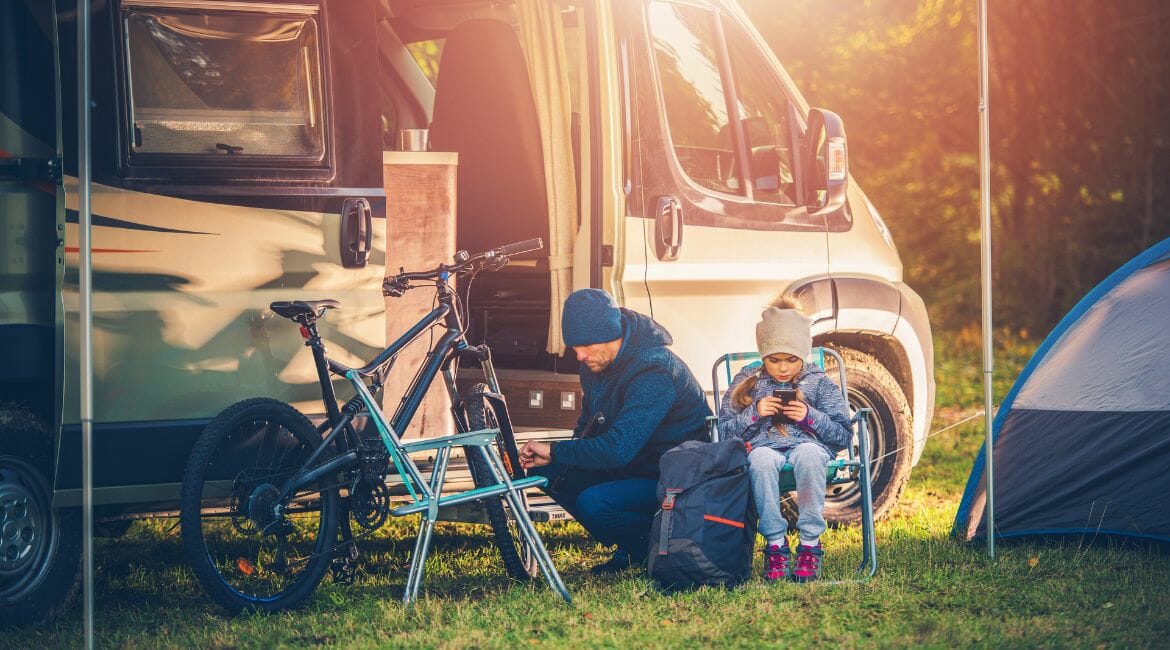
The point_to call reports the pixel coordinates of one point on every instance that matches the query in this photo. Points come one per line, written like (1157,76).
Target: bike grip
(508,250)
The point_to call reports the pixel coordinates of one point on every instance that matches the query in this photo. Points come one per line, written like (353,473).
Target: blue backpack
(705,531)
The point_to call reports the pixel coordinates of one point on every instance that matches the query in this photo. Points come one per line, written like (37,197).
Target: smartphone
(785,395)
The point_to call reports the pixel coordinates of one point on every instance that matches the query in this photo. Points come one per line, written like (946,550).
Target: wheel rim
(848,493)
(27,533)
(877,432)
(258,545)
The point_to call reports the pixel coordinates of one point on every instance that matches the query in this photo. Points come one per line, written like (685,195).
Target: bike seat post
(314,342)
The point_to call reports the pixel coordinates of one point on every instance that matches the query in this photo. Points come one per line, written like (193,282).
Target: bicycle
(267,499)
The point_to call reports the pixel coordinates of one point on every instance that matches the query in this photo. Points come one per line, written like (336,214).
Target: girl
(806,432)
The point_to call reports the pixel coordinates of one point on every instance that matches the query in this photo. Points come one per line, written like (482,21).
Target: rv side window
(238,85)
(764,109)
(686,55)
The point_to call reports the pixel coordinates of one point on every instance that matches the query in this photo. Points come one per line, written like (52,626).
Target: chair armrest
(470,439)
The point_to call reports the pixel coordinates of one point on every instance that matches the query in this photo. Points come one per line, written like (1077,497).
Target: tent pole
(85,312)
(985,273)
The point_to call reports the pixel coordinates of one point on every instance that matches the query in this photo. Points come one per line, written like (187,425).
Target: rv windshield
(227,83)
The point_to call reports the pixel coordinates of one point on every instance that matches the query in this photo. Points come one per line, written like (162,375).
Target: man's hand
(535,454)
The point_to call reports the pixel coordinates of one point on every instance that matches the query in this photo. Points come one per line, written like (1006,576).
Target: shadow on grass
(147,569)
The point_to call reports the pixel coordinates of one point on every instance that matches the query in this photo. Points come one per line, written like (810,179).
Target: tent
(1082,441)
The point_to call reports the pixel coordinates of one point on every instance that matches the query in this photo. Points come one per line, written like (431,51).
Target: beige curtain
(543,39)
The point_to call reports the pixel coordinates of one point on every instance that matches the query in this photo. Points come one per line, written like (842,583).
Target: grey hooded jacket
(827,423)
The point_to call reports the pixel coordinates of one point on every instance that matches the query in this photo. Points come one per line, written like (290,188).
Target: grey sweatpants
(809,461)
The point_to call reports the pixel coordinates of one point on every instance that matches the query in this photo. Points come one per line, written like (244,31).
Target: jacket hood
(640,333)
(809,370)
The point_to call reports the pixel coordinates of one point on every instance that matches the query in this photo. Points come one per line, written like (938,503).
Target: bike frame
(451,346)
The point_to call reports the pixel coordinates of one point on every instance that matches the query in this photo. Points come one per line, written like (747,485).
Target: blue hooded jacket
(650,399)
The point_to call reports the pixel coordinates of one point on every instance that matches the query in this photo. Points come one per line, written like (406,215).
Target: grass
(929,591)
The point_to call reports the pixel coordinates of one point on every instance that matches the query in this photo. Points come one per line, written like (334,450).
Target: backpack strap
(667,511)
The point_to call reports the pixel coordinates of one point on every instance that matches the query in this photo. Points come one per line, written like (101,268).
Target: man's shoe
(618,562)
(808,563)
(777,563)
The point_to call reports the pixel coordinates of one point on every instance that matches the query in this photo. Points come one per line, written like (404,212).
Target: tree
(1079,107)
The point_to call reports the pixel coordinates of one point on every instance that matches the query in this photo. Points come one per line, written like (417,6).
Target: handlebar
(494,259)
(526,246)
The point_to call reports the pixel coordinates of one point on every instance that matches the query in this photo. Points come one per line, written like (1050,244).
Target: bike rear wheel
(519,561)
(250,548)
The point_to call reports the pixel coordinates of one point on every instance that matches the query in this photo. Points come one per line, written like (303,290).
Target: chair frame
(854,467)
(427,496)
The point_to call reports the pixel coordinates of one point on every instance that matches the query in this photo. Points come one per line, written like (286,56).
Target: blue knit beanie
(590,316)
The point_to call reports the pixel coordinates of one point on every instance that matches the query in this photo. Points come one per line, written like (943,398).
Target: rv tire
(40,553)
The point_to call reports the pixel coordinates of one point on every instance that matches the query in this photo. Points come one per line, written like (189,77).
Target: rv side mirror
(826,169)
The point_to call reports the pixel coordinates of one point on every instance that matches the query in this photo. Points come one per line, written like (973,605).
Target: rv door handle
(669,226)
(357,231)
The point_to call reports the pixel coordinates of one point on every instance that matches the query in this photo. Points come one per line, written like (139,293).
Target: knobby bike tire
(251,447)
(519,561)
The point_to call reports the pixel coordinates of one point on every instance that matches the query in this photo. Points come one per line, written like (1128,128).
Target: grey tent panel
(1116,357)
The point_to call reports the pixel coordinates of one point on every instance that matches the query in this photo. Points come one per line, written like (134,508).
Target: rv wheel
(40,548)
(891,439)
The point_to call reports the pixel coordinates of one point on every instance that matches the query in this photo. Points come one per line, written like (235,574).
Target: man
(650,402)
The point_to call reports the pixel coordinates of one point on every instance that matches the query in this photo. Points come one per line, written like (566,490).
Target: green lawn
(929,590)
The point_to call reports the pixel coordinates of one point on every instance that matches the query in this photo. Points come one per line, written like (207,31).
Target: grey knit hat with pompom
(786,331)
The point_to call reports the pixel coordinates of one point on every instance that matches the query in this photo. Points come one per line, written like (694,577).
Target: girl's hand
(796,410)
(768,406)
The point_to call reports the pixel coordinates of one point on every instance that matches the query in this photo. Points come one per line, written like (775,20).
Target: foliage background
(1080,117)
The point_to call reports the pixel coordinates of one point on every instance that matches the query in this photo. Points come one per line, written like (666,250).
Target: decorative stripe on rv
(71,216)
(77,249)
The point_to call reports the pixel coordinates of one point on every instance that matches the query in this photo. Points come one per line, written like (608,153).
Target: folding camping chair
(853,467)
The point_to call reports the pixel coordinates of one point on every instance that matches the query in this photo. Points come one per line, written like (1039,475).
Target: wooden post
(420,233)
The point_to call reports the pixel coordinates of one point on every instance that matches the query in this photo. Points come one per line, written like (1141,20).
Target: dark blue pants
(613,509)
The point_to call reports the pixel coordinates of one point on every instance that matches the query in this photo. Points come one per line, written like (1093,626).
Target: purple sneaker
(808,563)
(777,563)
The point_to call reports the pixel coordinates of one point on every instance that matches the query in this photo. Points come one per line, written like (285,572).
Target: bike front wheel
(519,560)
(251,547)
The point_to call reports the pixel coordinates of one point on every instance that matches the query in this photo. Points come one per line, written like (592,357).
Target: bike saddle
(293,309)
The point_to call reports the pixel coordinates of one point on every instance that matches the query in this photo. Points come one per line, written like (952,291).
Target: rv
(243,151)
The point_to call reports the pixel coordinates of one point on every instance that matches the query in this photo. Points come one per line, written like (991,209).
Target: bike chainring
(370,503)
(369,497)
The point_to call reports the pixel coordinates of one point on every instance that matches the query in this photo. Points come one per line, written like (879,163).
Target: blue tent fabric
(1082,439)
